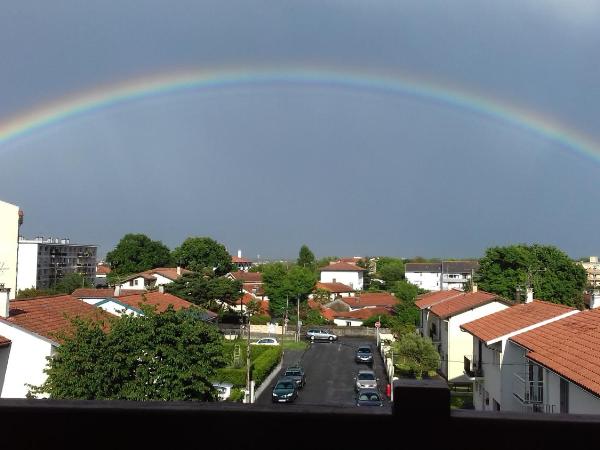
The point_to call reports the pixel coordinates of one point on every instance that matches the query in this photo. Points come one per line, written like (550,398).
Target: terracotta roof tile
(48,316)
(362,314)
(371,299)
(515,318)
(341,267)
(101,269)
(570,347)
(334,287)
(445,304)
(431,298)
(4,342)
(238,260)
(158,299)
(101,293)
(247,277)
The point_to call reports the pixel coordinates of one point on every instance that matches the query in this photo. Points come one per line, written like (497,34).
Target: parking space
(330,371)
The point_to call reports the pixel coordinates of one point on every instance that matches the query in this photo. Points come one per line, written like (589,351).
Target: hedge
(265,363)
(264,359)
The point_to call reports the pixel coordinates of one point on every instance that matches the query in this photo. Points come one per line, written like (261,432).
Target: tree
(167,356)
(322,296)
(33,292)
(390,270)
(282,285)
(418,354)
(306,258)
(549,271)
(203,254)
(136,253)
(70,282)
(205,291)
(406,291)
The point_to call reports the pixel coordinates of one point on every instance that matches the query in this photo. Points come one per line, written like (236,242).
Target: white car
(266,341)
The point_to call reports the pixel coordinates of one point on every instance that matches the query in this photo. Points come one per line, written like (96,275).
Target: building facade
(10,219)
(45,261)
(441,276)
(592,268)
(345,273)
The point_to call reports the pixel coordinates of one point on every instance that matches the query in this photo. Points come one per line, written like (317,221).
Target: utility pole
(298,320)
(248,359)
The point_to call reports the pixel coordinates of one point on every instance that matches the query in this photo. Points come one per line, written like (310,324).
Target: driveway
(330,371)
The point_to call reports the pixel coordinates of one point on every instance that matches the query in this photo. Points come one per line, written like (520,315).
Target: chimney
(529,298)
(161,288)
(239,253)
(594,299)
(4,300)
(178,270)
(473,287)
(117,290)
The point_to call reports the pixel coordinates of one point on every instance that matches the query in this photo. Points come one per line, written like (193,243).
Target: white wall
(425,280)
(344,322)
(28,261)
(116,308)
(26,361)
(581,401)
(160,280)
(130,285)
(352,279)
(9,238)
(460,343)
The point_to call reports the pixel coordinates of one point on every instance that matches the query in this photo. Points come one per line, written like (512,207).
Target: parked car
(223,389)
(365,379)
(315,334)
(297,374)
(364,354)
(369,397)
(266,341)
(285,390)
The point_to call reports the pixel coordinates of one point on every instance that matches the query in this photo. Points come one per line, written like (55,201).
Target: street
(330,370)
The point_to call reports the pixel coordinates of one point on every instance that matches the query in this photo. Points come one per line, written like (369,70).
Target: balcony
(528,391)
(473,368)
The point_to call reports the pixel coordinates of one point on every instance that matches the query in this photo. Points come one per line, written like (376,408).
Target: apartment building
(592,268)
(441,276)
(45,261)
(10,220)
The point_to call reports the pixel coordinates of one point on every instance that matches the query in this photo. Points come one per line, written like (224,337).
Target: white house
(559,365)
(10,220)
(102,271)
(493,365)
(241,263)
(442,314)
(335,290)
(28,331)
(441,276)
(345,273)
(153,277)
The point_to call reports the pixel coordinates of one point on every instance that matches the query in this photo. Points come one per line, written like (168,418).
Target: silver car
(365,379)
(315,334)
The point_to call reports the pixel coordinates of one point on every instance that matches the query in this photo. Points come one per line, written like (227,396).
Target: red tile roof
(431,298)
(167,272)
(334,287)
(513,319)
(158,299)
(101,293)
(362,314)
(48,316)
(238,260)
(570,347)
(253,288)
(247,277)
(101,269)
(371,299)
(4,342)
(462,303)
(341,267)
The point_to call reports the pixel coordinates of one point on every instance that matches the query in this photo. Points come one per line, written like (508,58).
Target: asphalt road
(330,371)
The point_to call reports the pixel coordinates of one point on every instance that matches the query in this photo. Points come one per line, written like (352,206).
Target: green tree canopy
(390,270)
(551,273)
(416,353)
(167,356)
(137,252)
(205,291)
(70,282)
(202,254)
(306,258)
(282,283)
(406,291)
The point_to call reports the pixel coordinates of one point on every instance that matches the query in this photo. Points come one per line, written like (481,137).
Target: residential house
(441,276)
(495,360)
(335,290)
(356,318)
(559,365)
(442,314)
(592,268)
(353,311)
(251,283)
(342,272)
(241,263)
(102,271)
(153,278)
(11,218)
(30,331)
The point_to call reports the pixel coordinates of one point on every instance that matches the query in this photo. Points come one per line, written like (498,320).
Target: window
(496,405)
(564,396)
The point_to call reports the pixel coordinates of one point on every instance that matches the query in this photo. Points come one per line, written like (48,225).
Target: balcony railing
(473,368)
(528,391)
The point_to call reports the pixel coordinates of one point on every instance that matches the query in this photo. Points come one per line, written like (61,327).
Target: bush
(259,320)
(237,377)
(237,395)
(264,364)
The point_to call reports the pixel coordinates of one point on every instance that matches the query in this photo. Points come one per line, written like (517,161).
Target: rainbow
(170,83)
